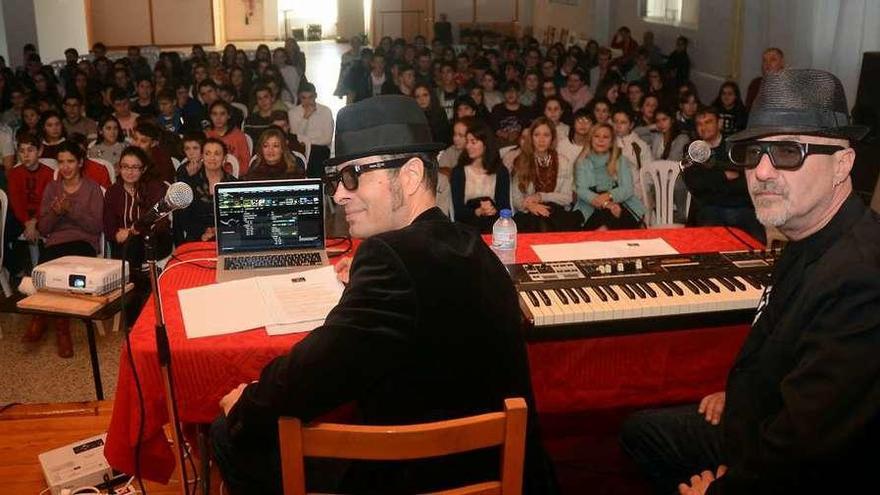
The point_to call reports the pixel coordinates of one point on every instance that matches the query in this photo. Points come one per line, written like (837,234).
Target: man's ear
(843,164)
(411,175)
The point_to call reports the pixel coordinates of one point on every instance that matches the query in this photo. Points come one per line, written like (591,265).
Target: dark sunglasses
(786,155)
(349,172)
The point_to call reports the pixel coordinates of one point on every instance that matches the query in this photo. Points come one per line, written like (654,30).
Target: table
(567,376)
(10,305)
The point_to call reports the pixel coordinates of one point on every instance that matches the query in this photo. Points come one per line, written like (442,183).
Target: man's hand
(700,482)
(712,406)
(208,235)
(229,400)
(342,268)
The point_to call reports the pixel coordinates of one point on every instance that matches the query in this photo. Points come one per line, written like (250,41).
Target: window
(675,12)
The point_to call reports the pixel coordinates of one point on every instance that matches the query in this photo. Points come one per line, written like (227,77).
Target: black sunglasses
(349,172)
(786,155)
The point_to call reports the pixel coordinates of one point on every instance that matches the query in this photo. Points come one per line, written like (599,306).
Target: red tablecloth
(568,376)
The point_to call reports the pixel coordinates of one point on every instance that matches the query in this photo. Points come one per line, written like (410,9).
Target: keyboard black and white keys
(608,297)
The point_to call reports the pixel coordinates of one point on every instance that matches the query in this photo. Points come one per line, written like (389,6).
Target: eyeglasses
(787,155)
(347,173)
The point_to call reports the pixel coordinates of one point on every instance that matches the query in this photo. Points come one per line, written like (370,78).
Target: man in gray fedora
(428,327)
(801,409)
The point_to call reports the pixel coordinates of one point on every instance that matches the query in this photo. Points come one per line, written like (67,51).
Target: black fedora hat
(382,125)
(800,101)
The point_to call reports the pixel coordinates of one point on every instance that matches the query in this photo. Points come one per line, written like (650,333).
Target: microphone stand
(164,354)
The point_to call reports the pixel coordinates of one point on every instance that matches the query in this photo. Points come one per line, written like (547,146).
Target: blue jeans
(670,445)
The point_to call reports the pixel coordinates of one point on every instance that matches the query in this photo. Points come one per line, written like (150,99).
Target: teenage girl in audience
(646,116)
(52,133)
(433,112)
(480,184)
(541,185)
(126,202)
(604,185)
(196,221)
(688,104)
(110,142)
(732,112)
(553,109)
(236,142)
(670,143)
(273,159)
(70,221)
(579,136)
(600,108)
(448,158)
(491,95)
(192,148)
(30,120)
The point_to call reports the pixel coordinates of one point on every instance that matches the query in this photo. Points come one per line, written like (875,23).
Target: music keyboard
(609,297)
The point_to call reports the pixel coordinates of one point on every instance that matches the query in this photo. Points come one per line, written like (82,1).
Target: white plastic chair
(111,170)
(662,174)
(250,142)
(243,108)
(233,163)
(176,163)
(5,283)
(50,162)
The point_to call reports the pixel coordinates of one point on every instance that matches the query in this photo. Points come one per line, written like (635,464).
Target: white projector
(79,464)
(79,274)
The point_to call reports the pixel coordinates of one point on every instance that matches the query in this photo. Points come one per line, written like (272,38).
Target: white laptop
(268,227)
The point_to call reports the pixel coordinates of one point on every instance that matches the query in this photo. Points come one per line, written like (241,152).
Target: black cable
(7,406)
(137,382)
(740,239)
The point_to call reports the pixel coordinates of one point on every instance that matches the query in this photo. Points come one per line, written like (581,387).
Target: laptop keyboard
(272,261)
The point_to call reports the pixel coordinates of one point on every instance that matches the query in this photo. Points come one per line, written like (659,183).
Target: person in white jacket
(636,150)
(312,123)
(542,183)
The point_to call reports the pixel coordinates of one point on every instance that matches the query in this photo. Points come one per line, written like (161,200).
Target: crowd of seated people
(489,94)
(128,130)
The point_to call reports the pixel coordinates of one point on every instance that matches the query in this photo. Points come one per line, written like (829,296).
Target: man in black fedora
(801,409)
(428,327)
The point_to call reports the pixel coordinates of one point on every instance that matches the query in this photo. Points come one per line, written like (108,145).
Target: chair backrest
(233,163)
(250,143)
(385,443)
(4,204)
(111,170)
(661,174)
(301,157)
(176,162)
(242,107)
(50,162)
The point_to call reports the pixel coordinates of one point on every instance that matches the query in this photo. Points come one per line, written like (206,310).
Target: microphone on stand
(178,196)
(698,153)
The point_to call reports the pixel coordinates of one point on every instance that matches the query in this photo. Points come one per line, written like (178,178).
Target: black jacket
(709,186)
(427,329)
(802,413)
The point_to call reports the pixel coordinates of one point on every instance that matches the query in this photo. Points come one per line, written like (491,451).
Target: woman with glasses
(480,184)
(541,189)
(273,159)
(196,221)
(575,143)
(70,219)
(125,203)
(604,185)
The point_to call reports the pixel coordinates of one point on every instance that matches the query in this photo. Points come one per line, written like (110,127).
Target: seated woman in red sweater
(125,203)
(71,214)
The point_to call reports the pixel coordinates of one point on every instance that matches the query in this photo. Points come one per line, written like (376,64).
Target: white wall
(4,49)
(61,24)
(21,27)
(351,18)
(711,44)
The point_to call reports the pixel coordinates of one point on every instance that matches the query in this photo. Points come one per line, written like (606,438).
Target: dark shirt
(710,186)
(510,121)
(733,120)
(255,124)
(802,410)
(191,222)
(752,91)
(389,345)
(443,32)
(150,108)
(263,171)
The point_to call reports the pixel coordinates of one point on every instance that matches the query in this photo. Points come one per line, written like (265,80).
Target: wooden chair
(386,443)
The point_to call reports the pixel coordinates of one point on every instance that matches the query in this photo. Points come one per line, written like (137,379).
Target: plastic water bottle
(504,237)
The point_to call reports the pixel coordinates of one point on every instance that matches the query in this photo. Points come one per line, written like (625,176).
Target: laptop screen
(269,215)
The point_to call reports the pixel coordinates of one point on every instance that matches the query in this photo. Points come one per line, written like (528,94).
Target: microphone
(698,153)
(178,196)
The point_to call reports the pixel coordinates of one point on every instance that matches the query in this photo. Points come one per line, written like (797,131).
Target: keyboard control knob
(638,263)
(620,267)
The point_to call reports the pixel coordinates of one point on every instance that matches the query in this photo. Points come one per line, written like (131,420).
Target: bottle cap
(505,213)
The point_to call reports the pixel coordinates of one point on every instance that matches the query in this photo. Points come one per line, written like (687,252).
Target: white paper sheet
(299,301)
(221,309)
(288,303)
(592,250)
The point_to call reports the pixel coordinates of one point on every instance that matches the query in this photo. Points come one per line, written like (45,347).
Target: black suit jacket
(427,329)
(802,413)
